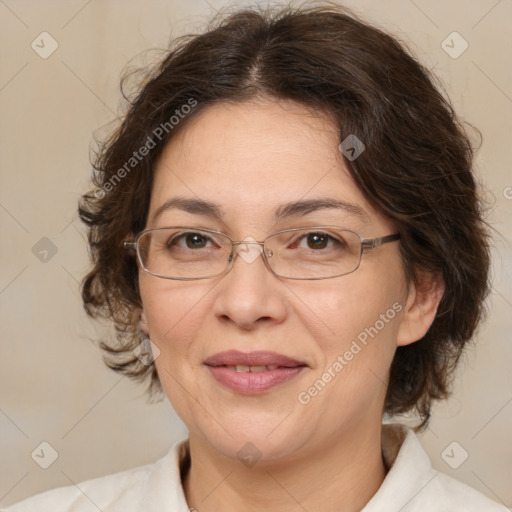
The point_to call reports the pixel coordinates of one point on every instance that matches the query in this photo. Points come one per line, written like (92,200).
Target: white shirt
(411,485)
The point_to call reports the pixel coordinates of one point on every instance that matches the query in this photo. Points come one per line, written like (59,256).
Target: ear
(423,299)
(143,323)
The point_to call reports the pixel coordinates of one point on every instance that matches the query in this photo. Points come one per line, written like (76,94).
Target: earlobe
(143,323)
(421,307)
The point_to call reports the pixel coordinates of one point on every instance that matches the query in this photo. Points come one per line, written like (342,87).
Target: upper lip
(259,358)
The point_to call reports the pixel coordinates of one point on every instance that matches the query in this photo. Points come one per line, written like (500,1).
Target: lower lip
(253,383)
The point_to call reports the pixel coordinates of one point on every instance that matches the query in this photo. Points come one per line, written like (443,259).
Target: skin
(326,455)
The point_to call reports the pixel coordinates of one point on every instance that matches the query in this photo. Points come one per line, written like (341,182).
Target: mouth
(254,372)
(241,368)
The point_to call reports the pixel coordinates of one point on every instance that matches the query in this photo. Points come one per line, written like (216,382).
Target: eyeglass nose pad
(268,253)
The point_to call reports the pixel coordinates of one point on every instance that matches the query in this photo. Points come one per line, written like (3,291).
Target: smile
(253,373)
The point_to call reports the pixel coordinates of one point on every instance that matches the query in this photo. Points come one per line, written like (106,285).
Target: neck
(342,475)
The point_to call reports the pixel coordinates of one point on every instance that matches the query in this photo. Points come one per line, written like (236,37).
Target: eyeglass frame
(366,245)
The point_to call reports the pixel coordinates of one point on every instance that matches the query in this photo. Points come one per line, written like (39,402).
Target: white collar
(402,453)
(411,484)
(409,472)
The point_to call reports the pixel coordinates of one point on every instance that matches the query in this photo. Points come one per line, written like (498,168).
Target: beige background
(54,386)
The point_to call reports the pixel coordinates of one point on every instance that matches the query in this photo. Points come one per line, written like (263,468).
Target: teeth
(258,368)
(242,368)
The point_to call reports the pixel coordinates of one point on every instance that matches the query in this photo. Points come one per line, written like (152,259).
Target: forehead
(250,158)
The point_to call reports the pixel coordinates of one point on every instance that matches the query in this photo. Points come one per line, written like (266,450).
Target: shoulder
(91,495)
(126,491)
(412,485)
(449,495)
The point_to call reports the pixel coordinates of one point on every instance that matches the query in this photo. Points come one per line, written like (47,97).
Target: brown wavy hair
(416,169)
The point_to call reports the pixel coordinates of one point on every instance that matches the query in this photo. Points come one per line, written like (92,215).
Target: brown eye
(192,241)
(317,240)
(195,241)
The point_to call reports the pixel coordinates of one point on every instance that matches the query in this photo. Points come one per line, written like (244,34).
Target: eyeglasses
(186,253)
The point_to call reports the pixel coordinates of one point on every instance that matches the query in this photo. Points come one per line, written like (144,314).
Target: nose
(250,294)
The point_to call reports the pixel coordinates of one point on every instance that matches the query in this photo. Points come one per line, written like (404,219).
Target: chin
(254,440)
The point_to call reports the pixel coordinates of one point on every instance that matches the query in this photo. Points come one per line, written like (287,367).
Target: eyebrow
(283,211)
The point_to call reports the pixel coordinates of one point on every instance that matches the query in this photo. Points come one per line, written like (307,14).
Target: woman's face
(251,159)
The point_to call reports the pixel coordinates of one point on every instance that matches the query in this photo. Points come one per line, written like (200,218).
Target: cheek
(342,310)
(174,312)
(356,320)
(355,360)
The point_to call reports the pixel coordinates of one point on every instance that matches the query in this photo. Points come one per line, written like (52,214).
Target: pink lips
(245,373)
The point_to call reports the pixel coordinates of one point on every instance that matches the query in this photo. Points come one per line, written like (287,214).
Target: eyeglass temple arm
(130,245)
(372,243)
(368,243)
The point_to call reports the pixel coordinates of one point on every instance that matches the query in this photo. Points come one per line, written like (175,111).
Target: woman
(288,236)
